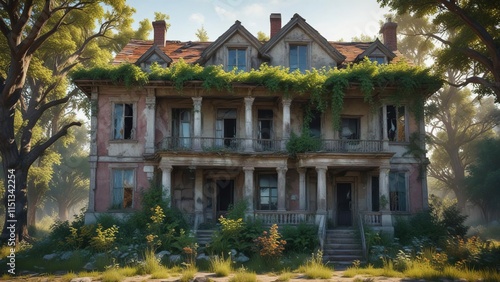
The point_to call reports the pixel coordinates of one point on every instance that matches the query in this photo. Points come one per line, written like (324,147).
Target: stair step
(338,246)
(343,252)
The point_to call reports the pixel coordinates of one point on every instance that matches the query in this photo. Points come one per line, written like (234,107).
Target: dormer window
(379,59)
(298,57)
(237,59)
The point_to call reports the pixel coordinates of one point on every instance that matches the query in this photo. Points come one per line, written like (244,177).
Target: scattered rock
(161,254)
(233,252)
(175,258)
(201,279)
(89,266)
(49,256)
(242,258)
(203,256)
(66,255)
(81,279)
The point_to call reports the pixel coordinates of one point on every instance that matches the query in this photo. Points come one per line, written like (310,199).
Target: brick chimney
(388,31)
(160,29)
(275,20)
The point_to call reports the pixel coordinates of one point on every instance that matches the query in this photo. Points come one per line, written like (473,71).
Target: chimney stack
(388,31)
(160,29)
(275,20)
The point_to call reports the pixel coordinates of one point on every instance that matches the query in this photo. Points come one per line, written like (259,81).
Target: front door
(225,196)
(344,212)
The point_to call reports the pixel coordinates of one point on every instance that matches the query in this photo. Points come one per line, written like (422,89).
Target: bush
(269,244)
(302,238)
(303,143)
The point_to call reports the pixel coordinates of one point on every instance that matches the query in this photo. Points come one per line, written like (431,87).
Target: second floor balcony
(243,145)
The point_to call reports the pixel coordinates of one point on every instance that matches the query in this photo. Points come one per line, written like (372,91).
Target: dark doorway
(344,196)
(229,131)
(225,196)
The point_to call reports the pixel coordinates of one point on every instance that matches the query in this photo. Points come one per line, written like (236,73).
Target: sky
(335,19)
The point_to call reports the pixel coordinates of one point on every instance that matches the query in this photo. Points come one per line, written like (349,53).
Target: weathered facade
(210,149)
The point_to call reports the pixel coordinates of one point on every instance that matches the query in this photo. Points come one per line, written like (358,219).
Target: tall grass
(220,266)
(243,276)
(314,268)
(188,273)
(112,275)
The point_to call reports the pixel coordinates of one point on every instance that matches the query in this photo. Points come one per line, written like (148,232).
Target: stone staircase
(204,236)
(342,246)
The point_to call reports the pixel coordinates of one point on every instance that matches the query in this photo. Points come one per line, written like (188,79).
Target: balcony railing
(212,144)
(372,218)
(285,217)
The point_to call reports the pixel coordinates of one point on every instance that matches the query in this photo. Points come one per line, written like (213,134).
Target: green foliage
(220,266)
(305,142)
(302,238)
(243,275)
(237,210)
(314,268)
(235,234)
(104,239)
(327,87)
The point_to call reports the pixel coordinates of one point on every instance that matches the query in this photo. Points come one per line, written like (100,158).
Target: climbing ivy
(326,87)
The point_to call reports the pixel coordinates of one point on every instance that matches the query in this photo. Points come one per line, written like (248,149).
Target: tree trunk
(63,210)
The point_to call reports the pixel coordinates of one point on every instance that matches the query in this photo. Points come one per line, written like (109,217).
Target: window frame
(358,127)
(177,125)
(133,130)
(271,207)
(395,207)
(113,204)
(396,124)
(307,56)
(229,49)
(377,58)
(259,128)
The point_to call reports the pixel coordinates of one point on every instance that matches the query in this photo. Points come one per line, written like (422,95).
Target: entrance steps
(204,237)
(342,246)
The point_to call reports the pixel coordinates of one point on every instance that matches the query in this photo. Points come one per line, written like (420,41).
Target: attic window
(379,59)
(298,57)
(237,59)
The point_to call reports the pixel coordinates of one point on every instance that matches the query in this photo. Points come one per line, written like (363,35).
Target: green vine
(326,87)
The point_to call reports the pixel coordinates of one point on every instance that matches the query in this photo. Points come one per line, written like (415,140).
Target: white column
(384,188)
(281,187)
(302,188)
(166,183)
(385,137)
(321,186)
(198,197)
(249,190)
(286,120)
(197,123)
(248,124)
(150,122)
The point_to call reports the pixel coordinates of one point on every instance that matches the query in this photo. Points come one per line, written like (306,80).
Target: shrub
(104,239)
(270,244)
(302,238)
(303,143)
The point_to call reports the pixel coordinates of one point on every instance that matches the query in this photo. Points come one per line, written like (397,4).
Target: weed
(112,275)
(243,276)
(128,271)
(285,276)
(314,267)
(161,273)
(68,276)
(188,273)
(220,266)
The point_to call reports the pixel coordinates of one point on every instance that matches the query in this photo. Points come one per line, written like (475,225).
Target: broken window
(123,121)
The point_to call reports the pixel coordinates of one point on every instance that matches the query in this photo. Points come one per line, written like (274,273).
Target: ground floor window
(123,188)
(268,192)
(375,194)
(398,191)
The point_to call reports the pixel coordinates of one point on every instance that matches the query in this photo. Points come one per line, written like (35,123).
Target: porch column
(90,217)
(166,183)
(281,187)
(248,124)
(385,137)
(93,170)
(302,188)
(321,186)
(198,197)
(249,190)
(197,123)
(286,121)
(385,201)
(150,121)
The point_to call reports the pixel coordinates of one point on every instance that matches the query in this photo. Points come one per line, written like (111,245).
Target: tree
(363,38)
(484,176)
(82,29)
(202,35)
(261,36)
(469,34)
(70,183)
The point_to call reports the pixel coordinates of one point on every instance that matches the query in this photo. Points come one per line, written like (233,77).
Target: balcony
(212,144)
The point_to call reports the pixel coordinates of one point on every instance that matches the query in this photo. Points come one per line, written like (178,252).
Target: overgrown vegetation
(327,87)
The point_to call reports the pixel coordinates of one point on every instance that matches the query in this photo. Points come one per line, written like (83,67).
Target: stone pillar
(150,121)
(248,124)
(286,121)
(93,170)
(197,123)
(198,198)
(166,183)
(321,186)
(384,197)
(249,190)
(385,137)
(89,216)
(149,170)
(302,188)
(281,187)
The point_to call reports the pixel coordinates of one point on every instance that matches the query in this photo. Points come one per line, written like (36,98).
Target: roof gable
(377,45)
(155,53)
(236,28)
(297,20)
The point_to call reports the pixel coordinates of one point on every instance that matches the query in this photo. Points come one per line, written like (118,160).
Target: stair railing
(363,238)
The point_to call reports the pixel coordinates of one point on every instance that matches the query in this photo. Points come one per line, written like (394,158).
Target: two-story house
(210,149)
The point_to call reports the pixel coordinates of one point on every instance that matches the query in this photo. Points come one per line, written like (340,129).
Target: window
(315,124)
(237,59)
(265,130)
(181,128)
(298,57)
(123,188)
(349,128)
(268,187)
(396,123)
(375,194)
(225,127)
(397,191)
(378,59)
(123,121)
